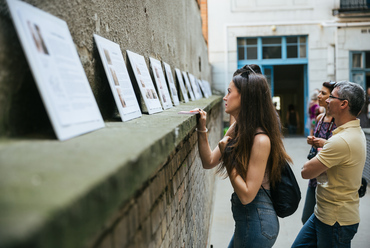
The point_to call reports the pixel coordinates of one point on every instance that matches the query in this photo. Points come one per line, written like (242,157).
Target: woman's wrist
(201,130)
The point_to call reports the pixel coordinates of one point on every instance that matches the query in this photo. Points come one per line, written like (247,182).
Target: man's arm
(313,168)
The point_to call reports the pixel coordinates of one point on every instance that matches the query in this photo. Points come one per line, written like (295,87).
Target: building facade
(299,44)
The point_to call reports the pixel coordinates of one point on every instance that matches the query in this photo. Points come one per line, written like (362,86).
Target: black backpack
(362,190)
(286,195)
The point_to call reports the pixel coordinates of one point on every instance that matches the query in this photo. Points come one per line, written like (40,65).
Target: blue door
(284,61)
(268,71)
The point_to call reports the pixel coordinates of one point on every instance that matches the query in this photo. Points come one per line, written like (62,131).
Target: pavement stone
(222,223)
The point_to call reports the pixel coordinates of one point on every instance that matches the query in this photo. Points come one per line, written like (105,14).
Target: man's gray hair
(353,93)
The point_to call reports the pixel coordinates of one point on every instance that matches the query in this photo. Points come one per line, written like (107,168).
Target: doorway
(288,88)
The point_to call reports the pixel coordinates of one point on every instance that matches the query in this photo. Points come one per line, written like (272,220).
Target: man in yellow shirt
(338,168)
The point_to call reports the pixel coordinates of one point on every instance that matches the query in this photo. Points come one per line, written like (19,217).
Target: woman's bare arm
(210,158)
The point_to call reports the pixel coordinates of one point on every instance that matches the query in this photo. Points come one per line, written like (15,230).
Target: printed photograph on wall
(188,86)
(184,92)
(171,84)
(37,38)
(118,78)
(203,89)
(149,98)
(160,81)
(207,87)
(57,70)
(194,85)
(107,56)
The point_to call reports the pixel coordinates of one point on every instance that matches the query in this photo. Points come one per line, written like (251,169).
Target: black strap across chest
(329,129)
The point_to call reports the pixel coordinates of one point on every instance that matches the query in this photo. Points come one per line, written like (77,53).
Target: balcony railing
(348,8)
(354,4)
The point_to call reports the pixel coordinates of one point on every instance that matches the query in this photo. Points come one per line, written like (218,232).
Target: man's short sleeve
(334,152)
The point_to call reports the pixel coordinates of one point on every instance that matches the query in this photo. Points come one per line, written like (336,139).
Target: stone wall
(133,184)
(173,208)
(167,30)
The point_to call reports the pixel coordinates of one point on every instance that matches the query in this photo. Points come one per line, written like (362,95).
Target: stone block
(133,217)
(121,233)
(146,228)
(144,204)
(155,218)
(106,242)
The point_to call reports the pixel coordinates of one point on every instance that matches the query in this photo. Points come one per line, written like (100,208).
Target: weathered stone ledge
(75,185)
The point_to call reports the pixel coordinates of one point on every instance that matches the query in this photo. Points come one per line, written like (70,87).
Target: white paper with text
(160,81)
(203,88)
(183,90)
(188,86)
(145,83)
(171,84)
(194,85)
(57,70)
(118,78)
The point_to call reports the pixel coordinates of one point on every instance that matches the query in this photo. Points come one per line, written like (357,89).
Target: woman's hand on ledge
(202,122)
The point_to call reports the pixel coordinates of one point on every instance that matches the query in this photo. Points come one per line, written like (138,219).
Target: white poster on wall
(171,84)
(150,101)
(207,87)
(57,70)
(118,78)
(203,88)
(160,81)
(194,85)
(183,90)
(188,86)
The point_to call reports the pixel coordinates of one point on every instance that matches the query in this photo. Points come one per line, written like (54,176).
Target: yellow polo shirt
(344,154)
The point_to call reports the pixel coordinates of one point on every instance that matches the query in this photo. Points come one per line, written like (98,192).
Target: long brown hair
(257,111)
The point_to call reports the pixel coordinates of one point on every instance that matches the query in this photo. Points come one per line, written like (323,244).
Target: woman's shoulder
(320,116)
(262,137)
(261,145)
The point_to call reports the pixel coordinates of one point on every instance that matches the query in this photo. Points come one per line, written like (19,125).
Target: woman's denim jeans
(317,234)
(256,224)
(309,204)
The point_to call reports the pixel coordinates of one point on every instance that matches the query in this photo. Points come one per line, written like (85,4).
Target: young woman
(323,131)
(251,155)
(313,111)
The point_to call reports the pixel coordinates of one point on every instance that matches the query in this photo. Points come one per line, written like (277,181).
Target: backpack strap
(260,133)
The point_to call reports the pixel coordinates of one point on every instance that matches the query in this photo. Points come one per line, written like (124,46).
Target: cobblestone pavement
(222,224)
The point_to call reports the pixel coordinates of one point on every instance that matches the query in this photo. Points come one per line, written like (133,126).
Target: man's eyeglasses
(334,97)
